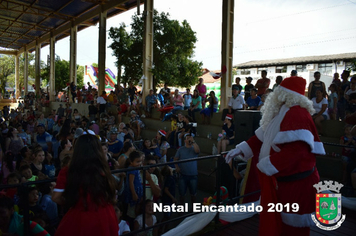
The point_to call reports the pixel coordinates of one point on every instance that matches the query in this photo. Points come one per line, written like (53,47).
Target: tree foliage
(62,74)
(7,67)
(173,48)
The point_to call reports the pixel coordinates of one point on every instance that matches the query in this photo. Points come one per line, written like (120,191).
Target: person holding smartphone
(188,171)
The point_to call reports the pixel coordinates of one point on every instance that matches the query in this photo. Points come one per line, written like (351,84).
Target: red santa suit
(286,150)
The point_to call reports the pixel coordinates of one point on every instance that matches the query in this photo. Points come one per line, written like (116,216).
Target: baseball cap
(78,132)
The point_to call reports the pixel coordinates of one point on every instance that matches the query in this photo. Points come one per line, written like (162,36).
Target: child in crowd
(22,134)
(49,168)
(148,149)
(8,165)
(32,198)
(150,219)
(113,164)
(13,178)
(46,203)
(136,123)
(154,143)
(263,99)
(26,173)
(168,192)
(127,136)
(332,101)
(12,222)
(133,190)
(124,227)
(125,153)
(348,140)
(37,166)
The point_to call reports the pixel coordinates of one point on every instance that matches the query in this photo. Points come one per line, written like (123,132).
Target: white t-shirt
(149,194)
(187,99)
(100,100)
(318,106)
(123,227)
(139,221)
(236,103)
(350,91)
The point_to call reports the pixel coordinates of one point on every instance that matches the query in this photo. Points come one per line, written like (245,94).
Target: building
(327,65)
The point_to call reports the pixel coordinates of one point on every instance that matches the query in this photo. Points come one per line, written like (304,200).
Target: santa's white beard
(277,98)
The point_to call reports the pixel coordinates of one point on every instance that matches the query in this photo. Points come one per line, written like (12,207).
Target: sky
(263,29)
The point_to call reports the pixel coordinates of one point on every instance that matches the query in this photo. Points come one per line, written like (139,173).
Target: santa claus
(285,145)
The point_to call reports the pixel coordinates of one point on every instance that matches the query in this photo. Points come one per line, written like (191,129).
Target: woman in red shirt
(89,192)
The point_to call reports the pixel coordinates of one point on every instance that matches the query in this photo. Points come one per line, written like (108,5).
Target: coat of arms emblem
(328,206)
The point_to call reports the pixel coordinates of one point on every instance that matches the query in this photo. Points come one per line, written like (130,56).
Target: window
(349,65)
(325,68)
(245,72)
(259,70)
(281,69)
(301,68)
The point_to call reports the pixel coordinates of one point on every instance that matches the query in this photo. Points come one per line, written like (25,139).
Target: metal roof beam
(33,13)
(17,18)
(9,52)
(89,14)
(67,17)
(46,18)
(12,21)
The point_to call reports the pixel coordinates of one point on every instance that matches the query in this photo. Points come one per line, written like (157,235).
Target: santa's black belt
(295,177)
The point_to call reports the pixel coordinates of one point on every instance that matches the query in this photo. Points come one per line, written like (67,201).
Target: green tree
(80,76)
(62,74)
(7,67)
(121,48)
(173,49)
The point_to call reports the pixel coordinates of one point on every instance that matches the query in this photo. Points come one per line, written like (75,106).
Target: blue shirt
(115,147)
(253,102)
(151,99)
(43,139)
(50,124)
(187,168)
(187,100)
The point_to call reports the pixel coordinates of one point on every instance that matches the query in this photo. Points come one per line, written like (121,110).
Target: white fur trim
(300,135)
(260,133)
(265,166)
(297,220)
(246,150)
(290,91)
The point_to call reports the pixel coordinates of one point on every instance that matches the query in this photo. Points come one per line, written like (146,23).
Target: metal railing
(220,160)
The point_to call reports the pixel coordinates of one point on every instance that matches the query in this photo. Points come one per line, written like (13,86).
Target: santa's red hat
(228,116)
(161,131)
(294,84)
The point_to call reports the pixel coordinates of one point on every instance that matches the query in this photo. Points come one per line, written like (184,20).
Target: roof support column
(147,49)
(52,81)
(17,77)
(227,51)
(73,55)
(102,49)
(38,69)
(25,71)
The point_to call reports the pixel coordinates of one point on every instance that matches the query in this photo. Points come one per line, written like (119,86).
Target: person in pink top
(262,84)
(202,91)
(177,101)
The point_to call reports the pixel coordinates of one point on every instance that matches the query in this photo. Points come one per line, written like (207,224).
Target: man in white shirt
(236,102)
(101,102)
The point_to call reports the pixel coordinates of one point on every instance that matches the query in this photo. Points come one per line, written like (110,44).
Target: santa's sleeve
(294,146)
(252,147)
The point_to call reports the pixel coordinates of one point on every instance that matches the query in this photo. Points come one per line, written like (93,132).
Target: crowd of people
(36,147)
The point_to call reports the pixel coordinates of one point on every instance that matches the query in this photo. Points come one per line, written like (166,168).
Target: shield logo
(328,208)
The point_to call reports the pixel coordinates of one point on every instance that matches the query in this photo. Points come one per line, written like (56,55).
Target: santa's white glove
(231,154)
